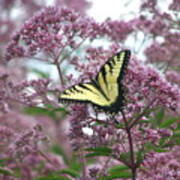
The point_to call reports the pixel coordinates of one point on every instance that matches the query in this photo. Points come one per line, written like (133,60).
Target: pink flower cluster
(166,52)
(175,5)
(146,84)
(161,166)
(52,31)
(155,26)
(16,92)
(173,76)
(55,34)
(23,141)
(117,31)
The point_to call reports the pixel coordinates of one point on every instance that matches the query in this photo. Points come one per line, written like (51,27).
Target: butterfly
(105,92)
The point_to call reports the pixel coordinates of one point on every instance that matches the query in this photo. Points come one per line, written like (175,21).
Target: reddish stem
(131,148)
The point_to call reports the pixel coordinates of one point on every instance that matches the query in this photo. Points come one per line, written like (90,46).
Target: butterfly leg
(96,114)
(113,118)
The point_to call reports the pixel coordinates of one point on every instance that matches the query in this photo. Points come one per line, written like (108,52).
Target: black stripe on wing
(98,87)
(85,87)
(103,72)
(125,63)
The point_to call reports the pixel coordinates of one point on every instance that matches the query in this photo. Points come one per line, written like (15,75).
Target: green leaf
(74,163)
(47,111)
(3,161)
(149,146)
(119,126)
(52,177)
(159,150)
(60,109)
(70,172)
(144,121)
(51,107)
(177,129)
(163,141)
(40,73)
(176,134)
(59,151)
(122,174)
(39,111)
(125,157)
(102,178)
(6,172)
(167,123)
(139,158)
(97,154)
(160,115)
(146,113)
(100,149)
(117,168)
(176,140)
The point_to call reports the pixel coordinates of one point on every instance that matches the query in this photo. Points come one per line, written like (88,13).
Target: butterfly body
(105,92)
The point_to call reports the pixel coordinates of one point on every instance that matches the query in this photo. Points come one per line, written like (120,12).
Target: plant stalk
(131,148)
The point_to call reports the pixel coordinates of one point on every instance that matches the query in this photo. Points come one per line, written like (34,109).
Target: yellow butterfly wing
(111,74)
(105,91)
(85,92)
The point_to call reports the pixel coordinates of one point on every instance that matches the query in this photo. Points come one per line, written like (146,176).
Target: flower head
(51,31)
